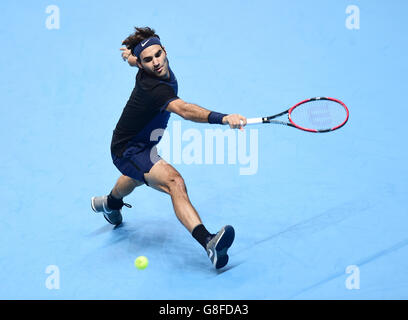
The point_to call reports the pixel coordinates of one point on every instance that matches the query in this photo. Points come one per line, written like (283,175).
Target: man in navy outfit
(134,152)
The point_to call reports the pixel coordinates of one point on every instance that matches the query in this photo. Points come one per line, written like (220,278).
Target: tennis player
(133,146)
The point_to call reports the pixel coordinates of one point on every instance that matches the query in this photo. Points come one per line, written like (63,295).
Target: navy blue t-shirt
(144,111)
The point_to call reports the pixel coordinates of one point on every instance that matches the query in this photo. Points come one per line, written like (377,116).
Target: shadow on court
(319,222)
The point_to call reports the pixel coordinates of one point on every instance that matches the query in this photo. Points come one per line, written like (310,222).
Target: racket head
(319,114)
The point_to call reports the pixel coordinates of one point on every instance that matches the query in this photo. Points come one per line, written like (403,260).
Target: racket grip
(253,121)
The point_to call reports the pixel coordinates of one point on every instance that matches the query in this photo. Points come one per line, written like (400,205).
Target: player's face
(153,59)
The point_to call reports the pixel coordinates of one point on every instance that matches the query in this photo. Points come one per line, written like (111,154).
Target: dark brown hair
(139,35)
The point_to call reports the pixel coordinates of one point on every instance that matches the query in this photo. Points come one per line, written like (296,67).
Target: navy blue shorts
(137,160)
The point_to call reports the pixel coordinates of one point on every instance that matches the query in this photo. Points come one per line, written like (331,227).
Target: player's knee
(176,183)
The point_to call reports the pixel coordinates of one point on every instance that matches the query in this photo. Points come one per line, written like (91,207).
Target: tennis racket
(320,114)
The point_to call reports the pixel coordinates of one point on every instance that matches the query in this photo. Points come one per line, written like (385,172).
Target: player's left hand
(235,121)
(125,53)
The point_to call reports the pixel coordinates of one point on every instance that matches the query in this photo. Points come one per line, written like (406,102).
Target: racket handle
(253,121)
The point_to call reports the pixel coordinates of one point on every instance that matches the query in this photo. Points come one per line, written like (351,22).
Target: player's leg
(132,177)
(124,186)
(164,177)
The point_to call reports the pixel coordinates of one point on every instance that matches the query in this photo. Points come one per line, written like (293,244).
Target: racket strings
(319,114)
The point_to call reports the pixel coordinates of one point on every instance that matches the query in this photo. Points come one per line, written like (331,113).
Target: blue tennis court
(317,216)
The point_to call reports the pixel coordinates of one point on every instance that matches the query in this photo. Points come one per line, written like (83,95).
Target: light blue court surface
(314,207)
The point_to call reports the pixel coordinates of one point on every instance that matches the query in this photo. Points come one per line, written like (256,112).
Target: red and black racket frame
(292,124)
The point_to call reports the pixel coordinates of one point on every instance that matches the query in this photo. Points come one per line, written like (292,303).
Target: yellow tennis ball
(141,262)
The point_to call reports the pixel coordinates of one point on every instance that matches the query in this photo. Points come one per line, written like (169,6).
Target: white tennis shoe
(218,246)
(100,204)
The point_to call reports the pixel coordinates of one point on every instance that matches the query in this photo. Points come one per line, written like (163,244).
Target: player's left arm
(193,112)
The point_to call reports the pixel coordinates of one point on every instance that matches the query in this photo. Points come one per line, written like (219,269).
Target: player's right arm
(193,112)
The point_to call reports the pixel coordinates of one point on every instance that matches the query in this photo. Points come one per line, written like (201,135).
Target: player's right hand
(235,121)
